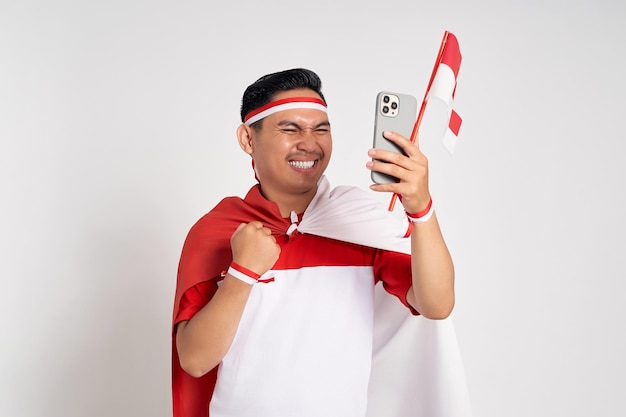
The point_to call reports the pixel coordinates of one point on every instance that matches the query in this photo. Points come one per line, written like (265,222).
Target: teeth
(302,164)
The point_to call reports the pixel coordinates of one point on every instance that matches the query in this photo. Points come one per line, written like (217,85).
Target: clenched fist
(254,247)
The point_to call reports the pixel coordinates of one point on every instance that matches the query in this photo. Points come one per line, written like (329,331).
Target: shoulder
(220,220)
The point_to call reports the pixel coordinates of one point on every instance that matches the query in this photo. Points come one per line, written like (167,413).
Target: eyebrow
(285,123)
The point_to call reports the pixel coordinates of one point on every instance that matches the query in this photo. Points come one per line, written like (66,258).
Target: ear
(244,136)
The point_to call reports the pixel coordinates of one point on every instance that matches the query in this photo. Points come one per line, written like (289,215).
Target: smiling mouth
(302,164)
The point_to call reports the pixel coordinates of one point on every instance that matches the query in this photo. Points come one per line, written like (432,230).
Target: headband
(284,104)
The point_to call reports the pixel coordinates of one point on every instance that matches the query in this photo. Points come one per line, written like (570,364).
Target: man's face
(292,149)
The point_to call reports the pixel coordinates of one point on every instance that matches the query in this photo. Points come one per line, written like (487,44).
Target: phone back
(397,113)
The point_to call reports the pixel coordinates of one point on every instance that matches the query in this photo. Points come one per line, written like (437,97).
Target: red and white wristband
(422,216)
(243,274)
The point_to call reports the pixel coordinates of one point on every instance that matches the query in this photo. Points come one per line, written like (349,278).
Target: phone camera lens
(386,99)
(394,105)
(385,109)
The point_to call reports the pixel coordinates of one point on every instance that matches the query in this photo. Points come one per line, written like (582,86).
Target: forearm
(433,271)
(203,341)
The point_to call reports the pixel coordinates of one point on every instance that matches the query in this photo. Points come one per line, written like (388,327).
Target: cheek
(271,149)
(327,146)
(270,156)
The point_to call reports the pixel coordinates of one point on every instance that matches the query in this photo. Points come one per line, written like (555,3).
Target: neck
(290,202)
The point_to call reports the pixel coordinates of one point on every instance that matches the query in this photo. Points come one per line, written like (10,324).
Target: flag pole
(416,126)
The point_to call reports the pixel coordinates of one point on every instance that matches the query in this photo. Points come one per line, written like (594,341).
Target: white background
(117,124)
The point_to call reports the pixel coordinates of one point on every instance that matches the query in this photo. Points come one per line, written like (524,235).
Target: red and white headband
(284,104)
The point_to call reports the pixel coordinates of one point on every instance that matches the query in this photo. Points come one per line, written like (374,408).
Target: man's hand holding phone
(410,168)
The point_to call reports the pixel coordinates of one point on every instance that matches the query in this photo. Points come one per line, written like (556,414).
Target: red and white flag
(443,86)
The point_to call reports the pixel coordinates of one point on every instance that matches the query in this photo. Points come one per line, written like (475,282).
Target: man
(274,318)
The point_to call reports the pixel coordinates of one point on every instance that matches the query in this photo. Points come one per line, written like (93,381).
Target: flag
(443,86)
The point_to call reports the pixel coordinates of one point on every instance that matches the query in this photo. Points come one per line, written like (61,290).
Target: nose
(307,141)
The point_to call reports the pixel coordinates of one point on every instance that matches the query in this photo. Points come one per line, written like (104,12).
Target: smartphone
(395,112)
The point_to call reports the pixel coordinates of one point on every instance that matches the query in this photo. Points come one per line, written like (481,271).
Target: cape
(417,369)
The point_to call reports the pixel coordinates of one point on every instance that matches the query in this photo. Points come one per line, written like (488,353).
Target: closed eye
(291,128)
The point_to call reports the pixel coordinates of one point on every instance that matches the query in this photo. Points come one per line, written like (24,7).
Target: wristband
(422,216)
(243,274)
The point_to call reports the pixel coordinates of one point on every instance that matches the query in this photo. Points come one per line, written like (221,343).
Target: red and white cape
(409,351)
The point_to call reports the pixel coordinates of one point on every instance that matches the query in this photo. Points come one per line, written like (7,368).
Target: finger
(256,224)
(381,156)
(392,169)
(411,149)
(392,187)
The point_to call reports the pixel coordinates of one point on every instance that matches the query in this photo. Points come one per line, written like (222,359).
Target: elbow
(193,371)
(439,314)
(192,359)
(194,367)
(439,311)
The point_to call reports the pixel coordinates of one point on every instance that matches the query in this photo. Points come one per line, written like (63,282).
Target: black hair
(262,91)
